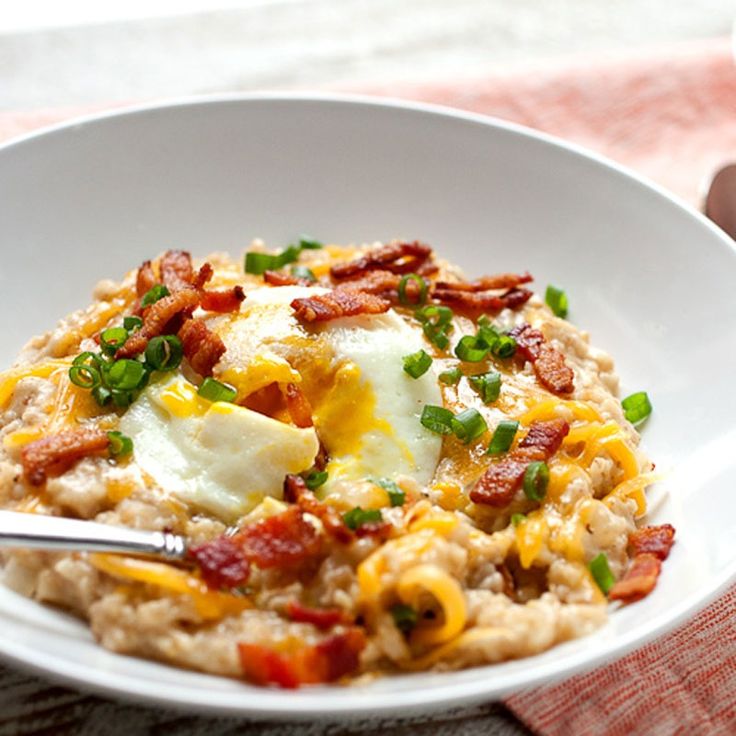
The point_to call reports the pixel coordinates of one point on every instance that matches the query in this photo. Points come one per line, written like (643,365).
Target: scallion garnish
(470,349)
(357,517)
(85,376)
(536,479)
(308,243)
(556,300)
(120,444)
(405,617)
(164,353)
(504,346)
(637,407)
(132,323)
(417,364)
(125,374)
(214,390)
(487,334)
(302,272)
(315,479)
(468,425)
(421,285)
(487,385)
(102,395)
(159,291)
(451,377)
(601,573)
(516,519)
(503,437)
(112,339)
(257,262)
(395,495)
(122,399)
(437,419)
(91,359)
(436,323)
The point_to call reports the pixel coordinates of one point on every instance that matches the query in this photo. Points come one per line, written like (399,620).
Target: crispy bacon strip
(549,364)
(488,283)
(145,279)
(202,347)
(329,660)
(336,304)
(395,257)
(384,284)
(322,618)
(202,276)
(298,406)
(639,580)
(653,540)
(221,563)
(176,270)
(54,454)
(481,301)
(228,300)
(296,491)
(503,478)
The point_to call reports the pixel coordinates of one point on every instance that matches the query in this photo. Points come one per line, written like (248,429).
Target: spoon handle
(36,531)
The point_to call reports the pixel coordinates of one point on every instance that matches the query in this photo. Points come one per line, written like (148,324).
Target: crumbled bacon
(278,278)
(176,270)
(298,406)
(503,478)
(639,580)
(549,364)
(227,300)
(221,562)
(384,284)
(336,304)
(395,257)
(202,347)
(653,540)
(54,454)
(322,618)
(145,279)
(205,273)
(296,491)
(329,660)
(488,283)
(481,301)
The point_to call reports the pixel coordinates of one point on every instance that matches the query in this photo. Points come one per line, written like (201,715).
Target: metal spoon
(36,531)
(720,202)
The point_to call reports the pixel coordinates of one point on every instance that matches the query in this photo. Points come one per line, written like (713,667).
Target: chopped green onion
(417,364)
(503,437)
(556,300)
(257,263)
(85,376)
(488,386)
(437,419)
(308,243)
(132,323)
(516,519)
(637,407)
(357,517)
(421,285)
(213,390)
(470,349)
(159,291)
(120,444)
(468,425)
(601,573)
(302,272)
(405,617)
(487,334)
(395,495)
(504,347)
(164,353)
(536,479)
(91,359)
(125,374)
(451,377)
(436,323)
(102,395)
(112,339)
(121,398)
(315,479)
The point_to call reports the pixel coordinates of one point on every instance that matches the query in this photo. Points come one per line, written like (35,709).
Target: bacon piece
(176,270)
(329,660)
(395,257)
(481,301)
(549,364)
(488,283)
(277,278)
(202,347)
(145,279)
(503,478)
(639,580)
(202,276)
(298,406)
(322,618)
(336,304)
(296,491)
(221,562)
(228,300)
(653,540)
(382,283)
(54,454)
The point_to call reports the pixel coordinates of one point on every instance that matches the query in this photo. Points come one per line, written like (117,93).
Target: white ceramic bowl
(651,280)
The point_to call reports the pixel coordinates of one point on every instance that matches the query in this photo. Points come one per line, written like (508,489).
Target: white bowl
(651,279)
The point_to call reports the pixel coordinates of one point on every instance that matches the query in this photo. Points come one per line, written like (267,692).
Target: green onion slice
(395,495)
(132,323)
(308,243)
(487,334)
(601,573)
(536,480)
(122,399)
(405,617)
(85,376)
(637,407)
(120,444)
(112,339)
(468,425)
(451,377)
(102,395)
(126,374)
(159,291)
(503,437)
(504,347)
(421,285)
(302,272)
(315,479)
(487,385)
(470,349)
(91,359)
(357,517)
(437,419)
(257,263)
(417,364)
(164,353)
(213,390)
(556,300)
(516,519)
(436,323)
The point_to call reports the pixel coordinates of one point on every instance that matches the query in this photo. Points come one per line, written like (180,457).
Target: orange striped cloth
(670,115)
